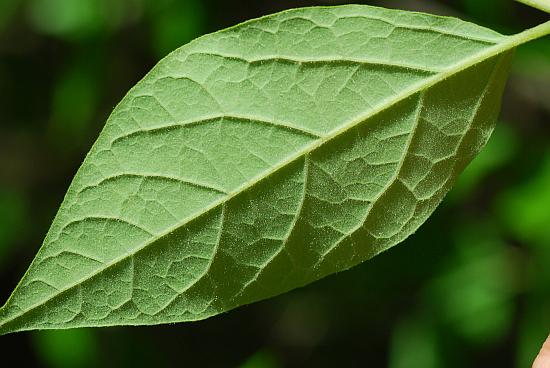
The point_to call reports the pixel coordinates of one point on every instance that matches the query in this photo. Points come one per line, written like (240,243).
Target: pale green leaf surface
(261,158)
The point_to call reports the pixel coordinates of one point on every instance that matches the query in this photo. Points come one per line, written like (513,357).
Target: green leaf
(264,157)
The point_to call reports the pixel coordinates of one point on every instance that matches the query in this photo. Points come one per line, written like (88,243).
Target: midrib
(507,44)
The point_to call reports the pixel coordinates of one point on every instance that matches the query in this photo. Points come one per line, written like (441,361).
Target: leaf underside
(261,158)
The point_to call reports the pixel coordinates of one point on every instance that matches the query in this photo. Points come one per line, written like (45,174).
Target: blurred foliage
(174,23)
(532,226)
(470,288)
(7,10)
(499,151)
(261,359)
(78,20)
(74,102)
(67,348)
(12,219)
(473,292)
(491,12)
(414,344)
(533,59)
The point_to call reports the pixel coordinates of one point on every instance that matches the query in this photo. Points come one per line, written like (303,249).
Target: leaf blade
(148,297)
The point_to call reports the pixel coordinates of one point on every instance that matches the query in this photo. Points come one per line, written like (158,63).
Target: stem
(543,5)
(531,34)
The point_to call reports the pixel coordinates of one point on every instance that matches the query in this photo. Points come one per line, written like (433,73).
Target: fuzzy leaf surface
(261,158)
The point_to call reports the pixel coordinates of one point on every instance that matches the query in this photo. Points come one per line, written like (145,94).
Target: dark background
(469,289)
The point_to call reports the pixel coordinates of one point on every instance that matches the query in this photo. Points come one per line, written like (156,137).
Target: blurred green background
(470,289)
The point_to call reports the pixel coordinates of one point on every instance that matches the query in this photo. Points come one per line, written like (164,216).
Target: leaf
(264,157)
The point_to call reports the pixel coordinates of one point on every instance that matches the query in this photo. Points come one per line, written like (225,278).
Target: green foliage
(67,348)
(498,152)
(173,25)
(474,291)
(532,199)
(261,359)
(7,9)
(414,344)
(75,20)
(12,218)
(73,104)
(264,157)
